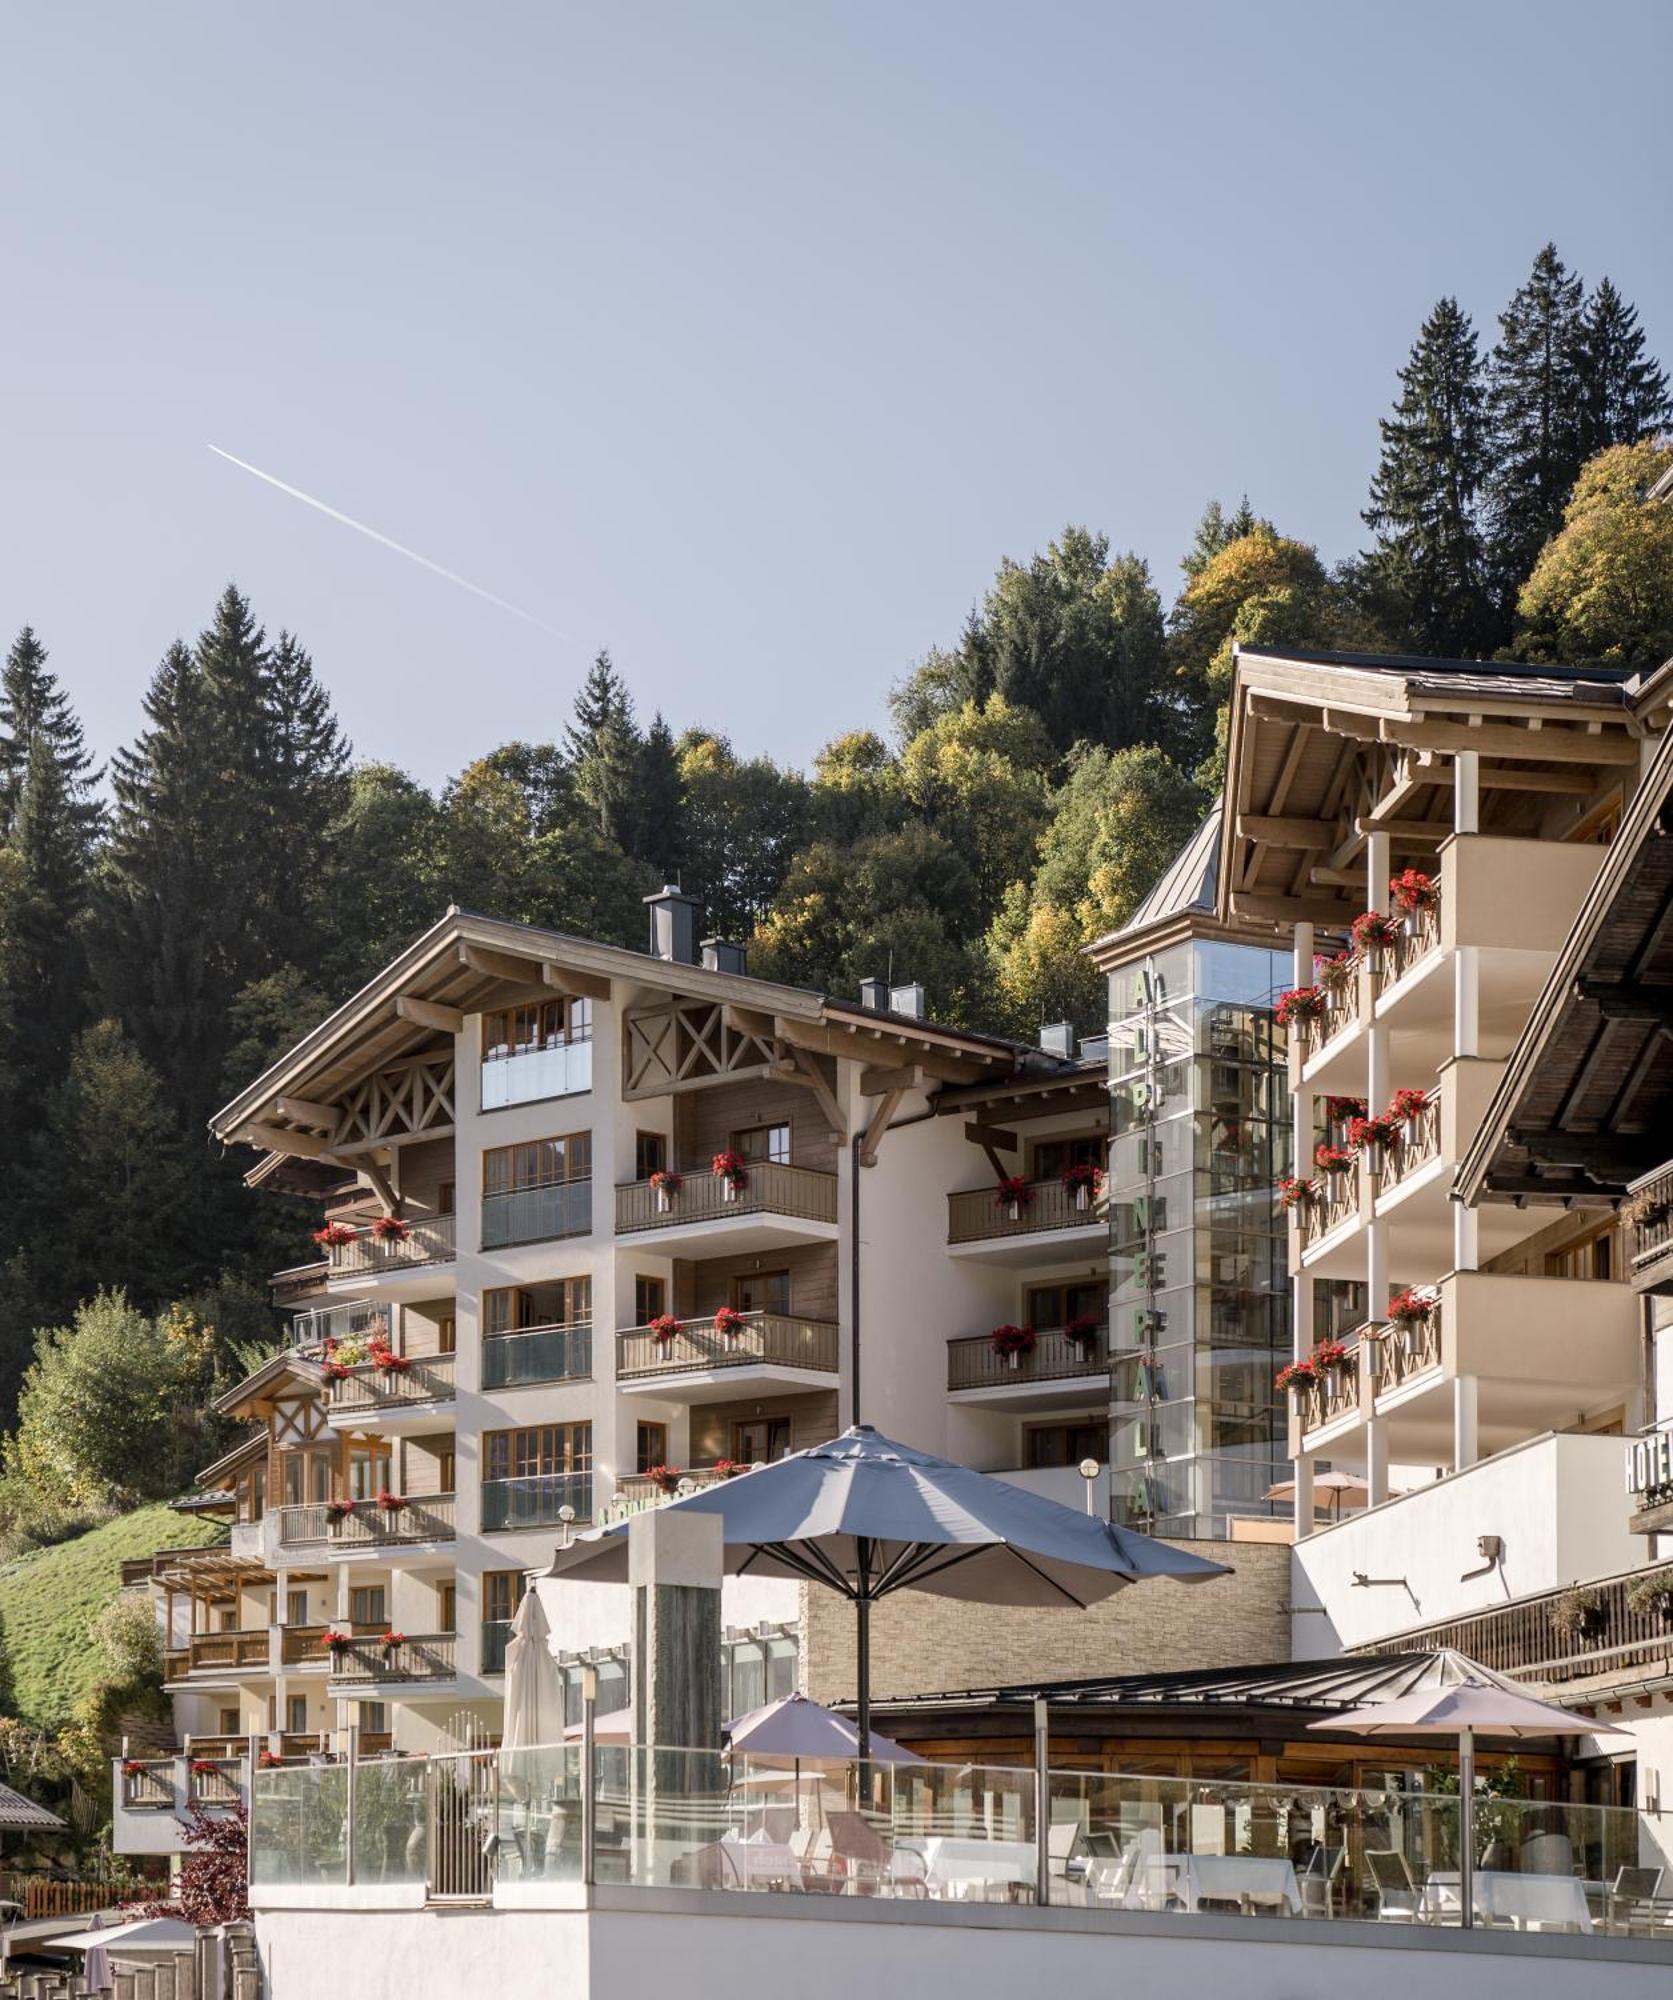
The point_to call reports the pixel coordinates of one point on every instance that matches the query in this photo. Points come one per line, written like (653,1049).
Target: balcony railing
(1335,1198)
(365,1524)
(537,1354)
(149,1786)
(423,1659)
(771,1188)
(1420,934)
(1563,1635)
(1419,1143)
(215,1781)
(1405,1350)
(532,1074)
(976,1215)
(1334,1394)
(537,1215)
(1649,1213)
(1341,1009)
(427,1242)
(763,1339)
(300,1281)
(426,1379)
(639,1490)
(225,1650)
(354,1319)
(972,1363)
(536,1501)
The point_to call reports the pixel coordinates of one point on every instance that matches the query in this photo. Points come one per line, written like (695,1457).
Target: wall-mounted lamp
(1491,1549)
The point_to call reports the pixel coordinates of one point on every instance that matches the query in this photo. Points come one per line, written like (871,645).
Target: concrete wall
(830,1948)
(1556,1502)
(923,1644)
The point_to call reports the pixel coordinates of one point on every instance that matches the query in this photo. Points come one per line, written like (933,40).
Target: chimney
(874,994)
(723,955)
(673,925)
(908,1000)
(1057,1038)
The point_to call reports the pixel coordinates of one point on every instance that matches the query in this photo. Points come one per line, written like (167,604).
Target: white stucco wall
(1557,1502)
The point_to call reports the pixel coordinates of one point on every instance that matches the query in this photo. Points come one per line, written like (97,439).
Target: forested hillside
(168,925)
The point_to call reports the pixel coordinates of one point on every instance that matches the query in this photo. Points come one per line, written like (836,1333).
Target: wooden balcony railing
(300,1281)
(150,1786)
(1420,934)
(426,1379)
(803,1193)
(227,1650)
(763,1339)
(636,1487)
(366,1524)
(975,1215)
(1341,1009)
(1336,1197)
(1563,1635)
(1649,1214)
(304,1645)
(1419,1143)
(1404,1350)
(214,1781)
(1334,1393)
(431,1241)
(431,1658)
(973,1364)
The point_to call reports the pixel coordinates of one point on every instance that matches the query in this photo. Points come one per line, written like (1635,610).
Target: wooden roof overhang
(209,1572)
(467,963)
(1583,1107)
(1325,750)
(283,1378)
(1082,1089)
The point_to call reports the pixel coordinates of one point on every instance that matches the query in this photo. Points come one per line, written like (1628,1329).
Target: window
(1051,1156)
(650,1154)
(447,1607)
(760,1440)
(650,1299)
(530,1476)
(369,1471)
(229,1722)
(762,1291)
(516,1308)
(296,1607)
(537,1191)
(258,1492)
(502,1592)
(295,1472)
(1066,1444)
(229,1617)
(447,1335)
(1592,1257)
(296,1714)
(1053,1306)
(542,1024)
(369,1604)
(652,1446)
(447,1195)
(372,1717)
(767,1144)
(445,1463)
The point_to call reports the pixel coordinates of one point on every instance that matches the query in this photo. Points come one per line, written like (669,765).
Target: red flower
(1084,1326)
(1293,1193)
(1409,1306)
(1298,1374)
(1082,1174)
(1413,890)
(1012,1339)
(667,1477)
(337,1642)
(664,1327)
(1332,1159)
(335,1235)
(339,1510)
(1408,1105)
(1329,1354)
(391,1229)
(205,1767)
(1373,1131)
(666,1181)
(730,1167)
(1375,932)
(269,1762)
(393,1639)
(1337,1109)
(133,1767)
(728,1468)
(1013,1188)
(392,1503)
(1301,1003)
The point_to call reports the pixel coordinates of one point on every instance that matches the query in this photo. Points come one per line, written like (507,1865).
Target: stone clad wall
(921,1644)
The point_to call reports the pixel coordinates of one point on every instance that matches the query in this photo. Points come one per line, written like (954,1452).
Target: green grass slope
(50,1598)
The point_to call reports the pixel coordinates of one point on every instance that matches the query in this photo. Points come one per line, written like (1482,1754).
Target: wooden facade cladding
(705,1122)
(812,1418)
(703,1286)
(685,1046)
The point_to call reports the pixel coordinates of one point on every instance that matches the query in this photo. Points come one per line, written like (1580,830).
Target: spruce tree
(603,746)
(1428,558)
(1537,419)
(658,828)
(1623,389)
(32,705)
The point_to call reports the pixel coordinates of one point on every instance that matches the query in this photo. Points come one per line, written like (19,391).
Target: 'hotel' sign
(1650,1464)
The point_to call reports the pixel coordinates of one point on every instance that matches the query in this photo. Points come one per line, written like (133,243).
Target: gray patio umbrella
(1455,1696)
(866,1517)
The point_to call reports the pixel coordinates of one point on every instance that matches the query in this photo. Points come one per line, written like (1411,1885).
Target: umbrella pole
(862,1656)
(1466,1827)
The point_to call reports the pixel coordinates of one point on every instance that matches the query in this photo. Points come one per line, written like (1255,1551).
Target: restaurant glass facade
(1200,1305)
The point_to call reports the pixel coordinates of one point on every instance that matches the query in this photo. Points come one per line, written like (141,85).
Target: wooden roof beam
(278,1139)
(1497,739)
(502,965)
(578,985)
(306,1112)
(1278,832)
(429,1014)
(1288,909)
(1627,999)
(879,1082)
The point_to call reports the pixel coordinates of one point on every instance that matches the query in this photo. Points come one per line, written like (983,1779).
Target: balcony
(218,1653)
(1045,1221)
(391,1401)
(301,1281)
(777,1207)
(1649,1214)
(537,1215)
(701,1362)
(347,1527)
(565,1070)
(636,1491)
(537,1354)
(536,1501)
(1337,1391)
(1405,1351)
(409,1266)
(1056,1371)
(369,1662)
(1345,1005)
(1554,1499)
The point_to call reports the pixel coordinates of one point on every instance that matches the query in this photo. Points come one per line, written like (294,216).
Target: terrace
(1057,1366)
(730,1354)
(1027,1223)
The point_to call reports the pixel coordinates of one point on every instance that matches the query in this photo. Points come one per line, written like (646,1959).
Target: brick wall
(921,1644)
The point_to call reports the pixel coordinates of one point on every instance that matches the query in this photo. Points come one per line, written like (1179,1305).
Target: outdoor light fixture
(566,1523)
(1491,1549)
(1089,1470)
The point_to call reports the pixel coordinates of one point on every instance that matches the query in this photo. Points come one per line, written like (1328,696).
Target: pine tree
(32,705)
(304,766)
(1217,530)
(1428,556)
(658,830)
(1536,410)
(603,746)
(1624,390)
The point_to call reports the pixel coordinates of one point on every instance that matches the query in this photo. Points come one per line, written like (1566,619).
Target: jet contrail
(411,555)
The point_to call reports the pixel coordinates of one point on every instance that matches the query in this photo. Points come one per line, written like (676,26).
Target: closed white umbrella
(533,1685)
(865,1517)
(1450,1694)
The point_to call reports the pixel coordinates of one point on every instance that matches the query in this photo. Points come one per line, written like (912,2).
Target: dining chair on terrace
(1399,1900)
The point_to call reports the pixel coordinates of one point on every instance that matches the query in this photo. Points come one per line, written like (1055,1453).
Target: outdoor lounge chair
(1634,1901)
(1398,1898)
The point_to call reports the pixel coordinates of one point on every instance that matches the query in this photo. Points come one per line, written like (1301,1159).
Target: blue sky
(742,339)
